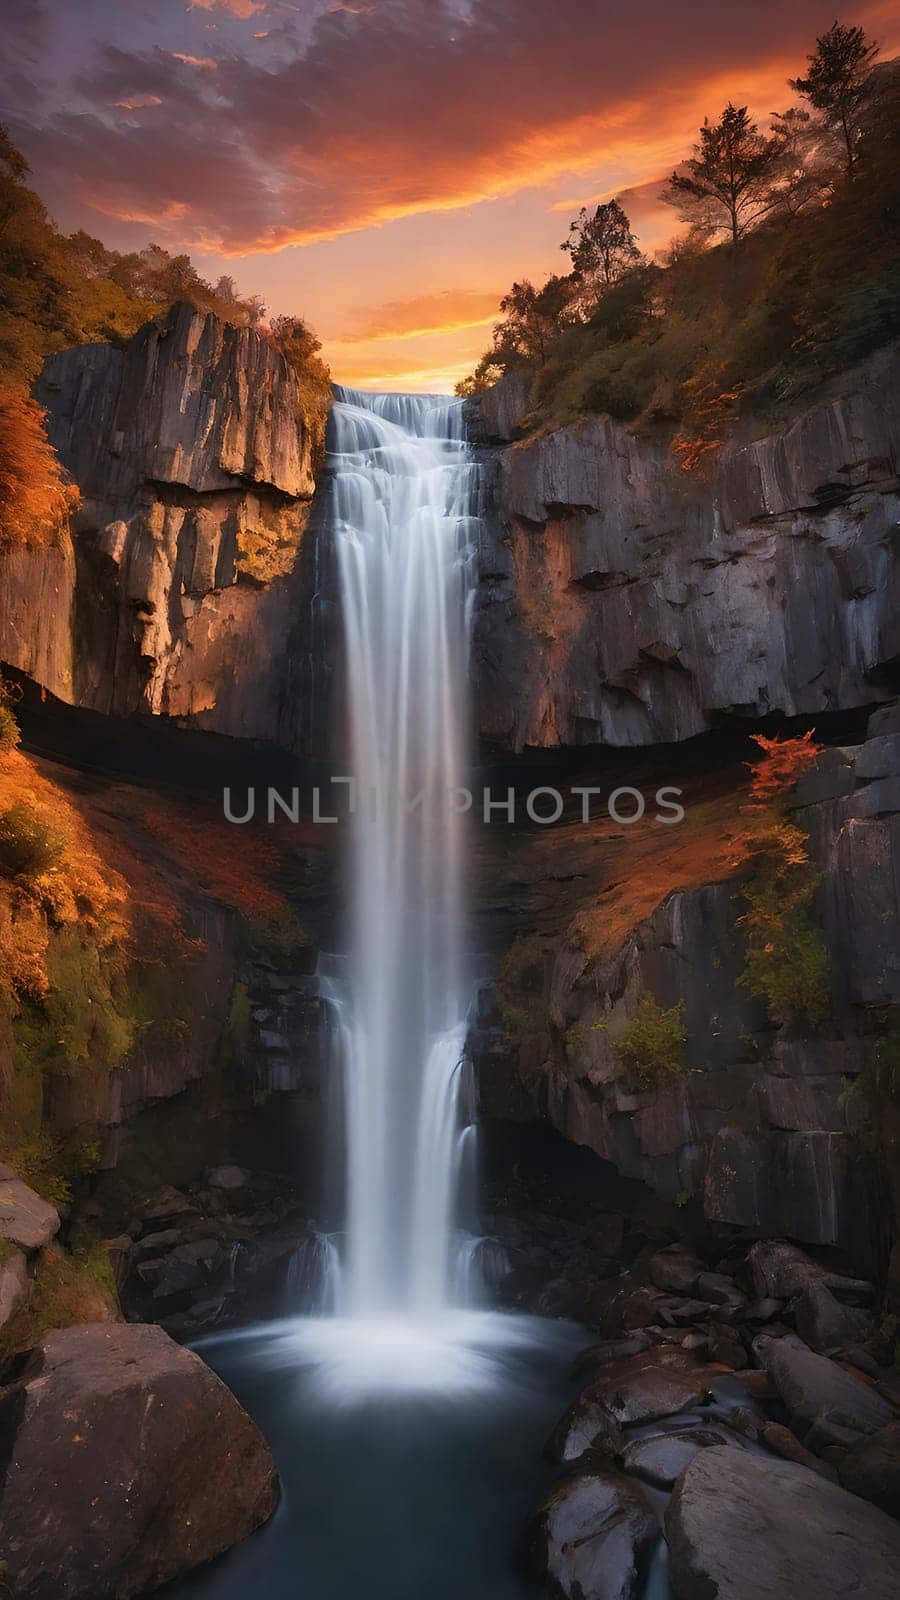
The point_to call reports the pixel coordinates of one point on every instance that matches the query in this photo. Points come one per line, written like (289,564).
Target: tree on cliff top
(731,171)
(838,83)
(603,248)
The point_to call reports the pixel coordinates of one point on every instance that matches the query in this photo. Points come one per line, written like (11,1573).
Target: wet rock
(743,1528)
(763,1310)
(782,1270)
(824,1323)
(720,1291)
(783,1443)
(597,1355)
(229,1178)
(826,1404)
(662,1458)
(592,1538)
(728,1350)
(872,1469)
(681,1313)
(674,1269)
(587,1424)
(26,1220)
(658,1383)
(129,1464)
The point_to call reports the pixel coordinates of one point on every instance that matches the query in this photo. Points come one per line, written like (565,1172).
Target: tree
(603,248)
(837,84)
(732,171)
(533,319)
(34,492)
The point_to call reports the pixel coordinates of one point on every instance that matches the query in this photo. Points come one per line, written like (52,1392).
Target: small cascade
(313,1286)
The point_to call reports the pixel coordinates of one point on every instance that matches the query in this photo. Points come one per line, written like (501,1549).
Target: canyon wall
(183,585)
(775,1129)
(623,602)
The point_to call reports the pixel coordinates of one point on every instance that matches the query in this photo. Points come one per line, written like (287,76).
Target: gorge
(720,1209)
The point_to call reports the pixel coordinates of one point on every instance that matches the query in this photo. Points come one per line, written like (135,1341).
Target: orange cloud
(444,311)
(139,103)
(195,61)
(238,8)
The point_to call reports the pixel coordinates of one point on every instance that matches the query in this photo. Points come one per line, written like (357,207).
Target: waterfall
(404,506)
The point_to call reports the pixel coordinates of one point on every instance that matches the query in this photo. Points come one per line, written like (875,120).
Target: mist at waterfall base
(406,1417)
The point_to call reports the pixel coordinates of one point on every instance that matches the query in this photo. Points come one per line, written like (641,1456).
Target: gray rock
(826,1404)
(743,1528)
(641,1388)
(662,606)
(25,1219)
(13,1283)
(128,1464)
(228,1178)
(598,1355)
(661,1459)
(872,1469)
(824,1323)
(587,1424)
(674,1269)
(592,1538)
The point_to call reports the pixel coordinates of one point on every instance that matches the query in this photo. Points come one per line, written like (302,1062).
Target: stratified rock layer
(624,603)
(184,588)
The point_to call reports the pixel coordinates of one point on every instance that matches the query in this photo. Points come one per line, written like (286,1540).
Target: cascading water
(404,494)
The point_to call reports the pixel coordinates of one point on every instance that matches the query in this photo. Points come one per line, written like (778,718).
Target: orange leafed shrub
(781,766)
(34,493)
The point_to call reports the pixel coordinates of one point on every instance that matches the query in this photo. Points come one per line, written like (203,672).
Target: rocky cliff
(775,1129)
(183,585)
(622,602)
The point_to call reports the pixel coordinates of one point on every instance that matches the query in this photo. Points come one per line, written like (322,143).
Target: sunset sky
(385,168)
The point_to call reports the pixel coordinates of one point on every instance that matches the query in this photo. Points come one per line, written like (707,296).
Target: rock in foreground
(593,1537)
(129,1463)
(743,1528)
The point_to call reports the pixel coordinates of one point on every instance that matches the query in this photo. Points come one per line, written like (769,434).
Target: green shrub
(652,1044)
(28,847)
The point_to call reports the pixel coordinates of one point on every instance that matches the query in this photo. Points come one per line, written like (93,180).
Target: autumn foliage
(781,766)
(34,493)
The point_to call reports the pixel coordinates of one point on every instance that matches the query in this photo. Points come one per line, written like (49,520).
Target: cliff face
(774,1129)
(184,588)
(622,603)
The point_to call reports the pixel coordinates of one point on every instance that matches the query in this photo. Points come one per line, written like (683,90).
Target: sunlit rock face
(184,587)
(623,602)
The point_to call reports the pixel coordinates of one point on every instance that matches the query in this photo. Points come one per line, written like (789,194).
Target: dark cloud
(393,108)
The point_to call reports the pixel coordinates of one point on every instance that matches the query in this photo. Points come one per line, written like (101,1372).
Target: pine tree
(838,83)
(732,170)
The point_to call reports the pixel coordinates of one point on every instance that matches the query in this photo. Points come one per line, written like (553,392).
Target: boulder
(872,1469)
(128,1464)
(658,1383)
(827,1405)
(663,1457)
(587,1424)
(781,1270)
(592,1538)
(745,1528)
(228,1178)
(675,1270)
(13,1283)
(25,1219)
(599,1355)
(783,1443)
(824,1323)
